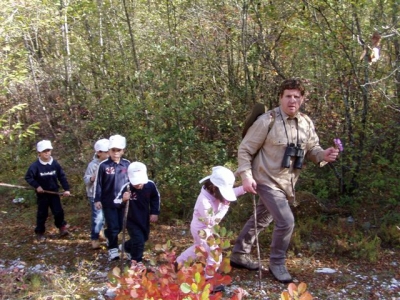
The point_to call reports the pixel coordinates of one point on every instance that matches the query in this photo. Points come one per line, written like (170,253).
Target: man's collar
(285,116)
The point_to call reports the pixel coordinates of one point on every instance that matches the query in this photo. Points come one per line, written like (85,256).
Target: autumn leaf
(306,296)
(302,288)
(292,289)
(195,288)
(116,272)
(285,295)
(185,288)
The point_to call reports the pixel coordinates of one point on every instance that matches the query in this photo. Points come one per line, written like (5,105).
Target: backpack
(258,110)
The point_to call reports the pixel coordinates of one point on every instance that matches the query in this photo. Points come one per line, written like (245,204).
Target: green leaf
(223,231)
(185,288)
(197,277)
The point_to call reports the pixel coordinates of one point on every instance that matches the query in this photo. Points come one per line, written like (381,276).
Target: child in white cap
(112,175)
(44,175)
(97,217)
(211,206)
(143,198)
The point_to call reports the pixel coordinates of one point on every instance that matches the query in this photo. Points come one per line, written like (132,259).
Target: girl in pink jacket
(211,206)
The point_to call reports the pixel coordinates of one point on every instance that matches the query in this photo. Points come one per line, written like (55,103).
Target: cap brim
(228,194)
(204,179)
(42,149)
(142,179)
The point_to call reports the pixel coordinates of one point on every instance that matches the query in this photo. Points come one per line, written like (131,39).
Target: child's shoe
(64,231)
(113,254)
(40,237)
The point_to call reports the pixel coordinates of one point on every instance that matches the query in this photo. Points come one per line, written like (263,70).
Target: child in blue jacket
(112,174)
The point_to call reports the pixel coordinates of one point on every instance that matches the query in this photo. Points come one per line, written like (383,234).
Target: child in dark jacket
(44,175)
(111,176)
(143,198)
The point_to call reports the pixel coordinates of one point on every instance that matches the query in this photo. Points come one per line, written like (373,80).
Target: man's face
(45,155)
(291,101)
(116,154)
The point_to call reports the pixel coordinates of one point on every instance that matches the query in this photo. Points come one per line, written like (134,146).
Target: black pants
(46,201)
(135,246)
(114,218)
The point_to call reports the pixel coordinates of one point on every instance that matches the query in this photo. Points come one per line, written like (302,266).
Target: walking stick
(258,245)
(29,188)
(128,189)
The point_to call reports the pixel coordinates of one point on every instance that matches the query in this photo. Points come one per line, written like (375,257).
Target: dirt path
(67,268)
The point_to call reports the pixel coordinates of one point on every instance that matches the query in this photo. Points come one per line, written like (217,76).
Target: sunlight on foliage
(166,282)
(11,127)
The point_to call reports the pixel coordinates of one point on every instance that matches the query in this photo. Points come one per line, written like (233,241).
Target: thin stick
(15,186)
(124,226)
(258,245)
(30,188)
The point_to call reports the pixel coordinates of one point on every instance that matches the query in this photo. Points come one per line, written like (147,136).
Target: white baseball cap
(117,141)
(137,173)
(43,145)
(224,179)
(101,145)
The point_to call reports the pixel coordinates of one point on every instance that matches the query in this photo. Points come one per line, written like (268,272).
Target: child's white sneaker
(113,254)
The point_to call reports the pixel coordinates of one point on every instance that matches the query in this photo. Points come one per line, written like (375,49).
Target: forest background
(177,79)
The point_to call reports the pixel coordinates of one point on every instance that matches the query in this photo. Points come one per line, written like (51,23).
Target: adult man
(270,159)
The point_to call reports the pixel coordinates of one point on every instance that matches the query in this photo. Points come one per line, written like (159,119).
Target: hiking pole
(128,189)
(30,188)
(258,245)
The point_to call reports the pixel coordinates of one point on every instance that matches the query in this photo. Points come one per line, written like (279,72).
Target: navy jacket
(142,204)
(47,176)
(109,181)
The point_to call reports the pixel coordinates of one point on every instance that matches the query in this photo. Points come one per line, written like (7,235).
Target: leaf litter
(69,269)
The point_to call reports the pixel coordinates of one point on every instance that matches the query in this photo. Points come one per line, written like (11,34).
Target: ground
(67,267)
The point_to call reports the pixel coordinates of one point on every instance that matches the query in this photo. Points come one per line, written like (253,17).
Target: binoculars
(293,151)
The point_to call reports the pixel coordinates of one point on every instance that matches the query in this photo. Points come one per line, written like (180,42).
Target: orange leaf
(225,280)
(285,295)
(302,288)
(306,296)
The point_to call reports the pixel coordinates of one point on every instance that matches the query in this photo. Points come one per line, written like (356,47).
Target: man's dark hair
(292,84)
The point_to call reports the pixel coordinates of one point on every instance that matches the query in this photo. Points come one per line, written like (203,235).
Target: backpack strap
(273,115)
